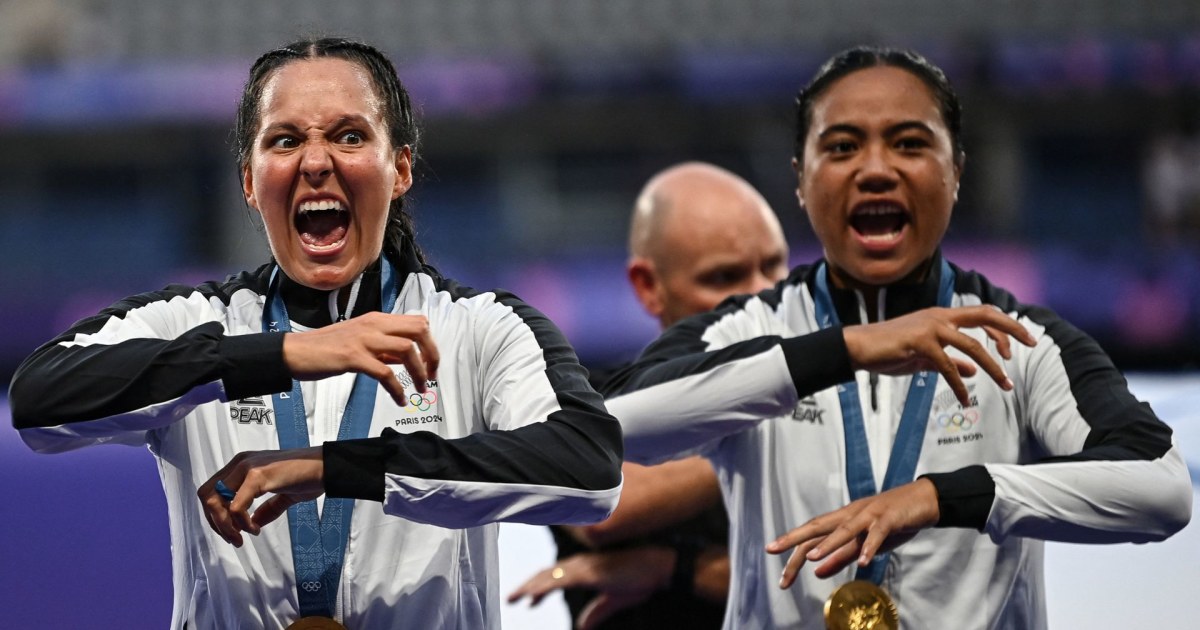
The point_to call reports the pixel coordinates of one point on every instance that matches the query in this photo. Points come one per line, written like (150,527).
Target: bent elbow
(1177,513)
(1170,508)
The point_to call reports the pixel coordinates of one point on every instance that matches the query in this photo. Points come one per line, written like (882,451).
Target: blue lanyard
(906,450)
(319,543)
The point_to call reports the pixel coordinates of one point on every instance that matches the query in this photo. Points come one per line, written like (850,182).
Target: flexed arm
(677,398)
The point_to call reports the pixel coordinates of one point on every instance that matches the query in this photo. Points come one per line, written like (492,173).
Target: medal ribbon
(906,450)
(319,543)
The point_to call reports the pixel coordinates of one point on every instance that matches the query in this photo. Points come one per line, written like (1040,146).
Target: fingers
(428,349)
(841,558)
(389,381)
(411,344)
(366,345)
(796,562)
(270,510)
(294,475)
(216,507)
(802,540)
(541,584)
(979,354)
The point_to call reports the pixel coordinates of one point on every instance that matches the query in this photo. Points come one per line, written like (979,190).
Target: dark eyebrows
(909,125)
(856,131)
(353,120)
(841,128)
(277,127)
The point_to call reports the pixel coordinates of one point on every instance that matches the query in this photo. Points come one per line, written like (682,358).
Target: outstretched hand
(293,475)
(917,342)
(858,531)
(366,345)
(622,578)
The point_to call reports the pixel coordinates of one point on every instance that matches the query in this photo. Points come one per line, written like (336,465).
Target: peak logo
(250,411)
(808,411)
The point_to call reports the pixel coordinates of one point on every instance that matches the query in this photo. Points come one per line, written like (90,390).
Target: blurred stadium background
(542,118)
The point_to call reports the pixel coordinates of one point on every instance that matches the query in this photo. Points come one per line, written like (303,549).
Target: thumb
(272,509)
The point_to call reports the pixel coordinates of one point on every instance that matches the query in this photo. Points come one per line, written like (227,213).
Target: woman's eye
(839,147)
(283,142)
(909,144)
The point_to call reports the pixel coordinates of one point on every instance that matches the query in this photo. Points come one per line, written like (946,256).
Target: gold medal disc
(860,605)
(316,623)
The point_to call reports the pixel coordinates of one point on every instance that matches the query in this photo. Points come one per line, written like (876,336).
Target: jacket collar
(899,299)
(310,307)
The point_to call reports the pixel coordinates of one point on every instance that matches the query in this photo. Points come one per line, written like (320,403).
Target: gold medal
(860,605)
(316,623)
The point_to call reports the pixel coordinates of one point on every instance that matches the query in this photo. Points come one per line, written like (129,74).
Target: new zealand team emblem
(419,407)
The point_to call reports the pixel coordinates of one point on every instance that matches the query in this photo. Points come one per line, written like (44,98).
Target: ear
(403,171)
(799,169)
(248,188)
(958,171)
(646,285)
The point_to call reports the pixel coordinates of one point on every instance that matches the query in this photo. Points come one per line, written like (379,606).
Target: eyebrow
(855,130)
(342,121)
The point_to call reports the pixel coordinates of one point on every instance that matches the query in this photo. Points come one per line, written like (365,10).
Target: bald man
(698,235)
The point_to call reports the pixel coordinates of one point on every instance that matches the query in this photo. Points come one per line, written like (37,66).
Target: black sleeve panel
(818,360)
(548,453)
(965,497)
(252,365)
(60,384)
(578,445)
(1122,428)
(815,361)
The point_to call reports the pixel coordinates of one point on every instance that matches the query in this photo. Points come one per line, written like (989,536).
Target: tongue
(322,228)
(878,224)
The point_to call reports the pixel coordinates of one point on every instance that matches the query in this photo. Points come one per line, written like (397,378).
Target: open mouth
(879,221)
(322,224)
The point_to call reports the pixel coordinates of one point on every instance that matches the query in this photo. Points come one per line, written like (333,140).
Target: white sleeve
(1112,472)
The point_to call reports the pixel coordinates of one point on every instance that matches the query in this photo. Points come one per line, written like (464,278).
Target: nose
(315,162)
(875,173)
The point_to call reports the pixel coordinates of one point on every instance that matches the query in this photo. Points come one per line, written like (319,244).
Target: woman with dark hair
(842,399)
(484,414)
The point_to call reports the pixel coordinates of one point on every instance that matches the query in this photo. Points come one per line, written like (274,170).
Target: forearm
(1092,502)
(81,392)
(725,391)
(712,574)
(541,474)
(1112,473)
(654,498)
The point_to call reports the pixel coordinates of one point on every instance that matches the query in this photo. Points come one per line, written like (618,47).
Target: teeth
(878,209)
(323,204)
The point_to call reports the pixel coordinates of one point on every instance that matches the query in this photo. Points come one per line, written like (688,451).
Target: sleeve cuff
(965,497)
(818,360)
(253,365)
(354,469)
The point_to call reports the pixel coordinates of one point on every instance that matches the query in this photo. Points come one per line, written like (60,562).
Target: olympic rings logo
(958,421)
(422,401)
(311,587)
